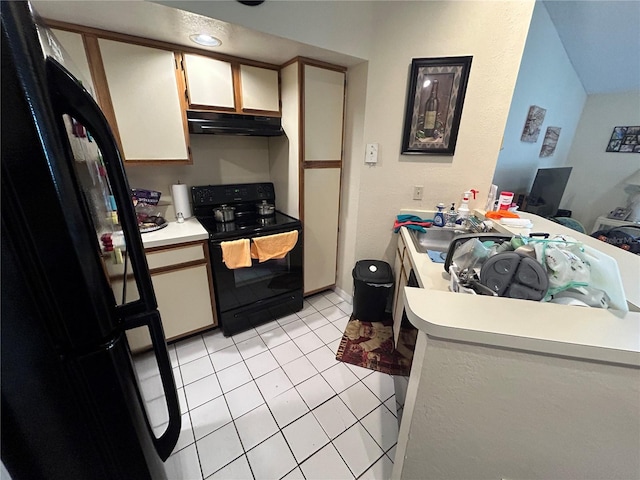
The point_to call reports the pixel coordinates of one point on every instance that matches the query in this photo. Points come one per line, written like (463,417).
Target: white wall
(487,413)
(217,159)
(596,184)
(546,79)
(355,114)
(406,30)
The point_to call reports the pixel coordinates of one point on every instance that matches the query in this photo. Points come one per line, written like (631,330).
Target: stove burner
(267,220)
(245,198)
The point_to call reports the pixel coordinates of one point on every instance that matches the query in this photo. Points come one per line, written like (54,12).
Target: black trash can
(372,289)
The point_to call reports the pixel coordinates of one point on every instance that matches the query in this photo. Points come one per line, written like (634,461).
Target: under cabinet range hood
(202,122)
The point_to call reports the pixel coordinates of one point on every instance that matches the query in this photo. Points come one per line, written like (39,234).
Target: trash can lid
(373,271)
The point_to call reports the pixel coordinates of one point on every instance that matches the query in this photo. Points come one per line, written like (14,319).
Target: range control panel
(213,195)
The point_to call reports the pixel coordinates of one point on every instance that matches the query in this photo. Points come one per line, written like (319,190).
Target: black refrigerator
(76,399)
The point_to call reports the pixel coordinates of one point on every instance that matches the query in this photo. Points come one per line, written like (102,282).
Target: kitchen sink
(435,238)
(438,239)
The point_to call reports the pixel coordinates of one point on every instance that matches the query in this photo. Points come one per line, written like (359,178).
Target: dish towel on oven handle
(273,246)
(236,253)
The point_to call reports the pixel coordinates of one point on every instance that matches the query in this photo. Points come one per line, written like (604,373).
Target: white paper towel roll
(181,204)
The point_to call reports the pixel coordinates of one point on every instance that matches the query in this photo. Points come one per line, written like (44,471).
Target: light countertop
(174,233)
(587,333)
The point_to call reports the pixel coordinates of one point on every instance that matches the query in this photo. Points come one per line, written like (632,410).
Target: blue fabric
(436,257)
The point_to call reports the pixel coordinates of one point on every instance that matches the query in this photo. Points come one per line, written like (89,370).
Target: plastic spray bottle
(463,209)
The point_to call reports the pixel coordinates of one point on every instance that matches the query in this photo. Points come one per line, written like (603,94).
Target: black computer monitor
(547,190)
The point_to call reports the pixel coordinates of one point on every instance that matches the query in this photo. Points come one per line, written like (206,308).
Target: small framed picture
(619,213)
(624,140)
(532,124)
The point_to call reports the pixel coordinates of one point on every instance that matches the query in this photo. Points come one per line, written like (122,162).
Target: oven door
(247,297)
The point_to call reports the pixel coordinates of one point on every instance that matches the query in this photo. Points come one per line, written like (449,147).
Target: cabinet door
(209,82)
(259,89)
(73,44)
(184,303)
(323,114)
(399,308)
(184,300)
(321,208)
(143,89)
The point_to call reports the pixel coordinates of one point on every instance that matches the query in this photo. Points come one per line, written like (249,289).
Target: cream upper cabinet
(143,89)
(230,86)
(209,82)
(259,89)
(74,46)
(323,113)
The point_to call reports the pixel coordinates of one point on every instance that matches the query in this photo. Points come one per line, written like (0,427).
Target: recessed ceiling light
(205,40)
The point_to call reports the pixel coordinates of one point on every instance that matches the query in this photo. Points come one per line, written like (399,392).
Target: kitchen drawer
(175,256)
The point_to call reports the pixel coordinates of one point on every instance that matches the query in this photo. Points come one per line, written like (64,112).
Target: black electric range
(247,297)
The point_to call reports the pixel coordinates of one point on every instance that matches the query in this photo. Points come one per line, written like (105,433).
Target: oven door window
(261,274)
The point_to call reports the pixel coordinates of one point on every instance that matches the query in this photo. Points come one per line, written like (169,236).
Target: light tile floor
(274,403)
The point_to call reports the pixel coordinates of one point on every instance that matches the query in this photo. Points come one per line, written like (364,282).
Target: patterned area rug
(370,345)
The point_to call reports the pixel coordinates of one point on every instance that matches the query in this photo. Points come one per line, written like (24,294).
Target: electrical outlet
(417,192)
(371,153)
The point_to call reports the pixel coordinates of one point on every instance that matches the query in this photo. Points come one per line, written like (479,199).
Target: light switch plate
(371,153)
(418,190)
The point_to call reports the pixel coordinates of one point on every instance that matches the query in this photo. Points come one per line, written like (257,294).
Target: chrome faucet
(477,226)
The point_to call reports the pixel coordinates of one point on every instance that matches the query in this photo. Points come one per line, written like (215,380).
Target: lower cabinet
(402,275)
(181,277)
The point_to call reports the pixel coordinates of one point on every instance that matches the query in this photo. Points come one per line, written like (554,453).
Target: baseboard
(344,295)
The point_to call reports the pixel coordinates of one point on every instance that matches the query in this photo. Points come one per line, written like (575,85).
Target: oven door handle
(217,243)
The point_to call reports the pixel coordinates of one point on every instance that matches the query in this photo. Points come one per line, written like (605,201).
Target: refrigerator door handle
(167,441)
(71,98)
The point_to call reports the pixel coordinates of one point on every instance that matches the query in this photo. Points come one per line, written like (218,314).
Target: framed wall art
(624,140)
(434,105)
(550,141)
(532,125)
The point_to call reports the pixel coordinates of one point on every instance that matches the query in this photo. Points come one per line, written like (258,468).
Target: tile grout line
(294,386)
(280,430)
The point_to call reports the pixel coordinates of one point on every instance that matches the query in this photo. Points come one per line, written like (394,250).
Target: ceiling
(601,37)
(602,40)
(159,22)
